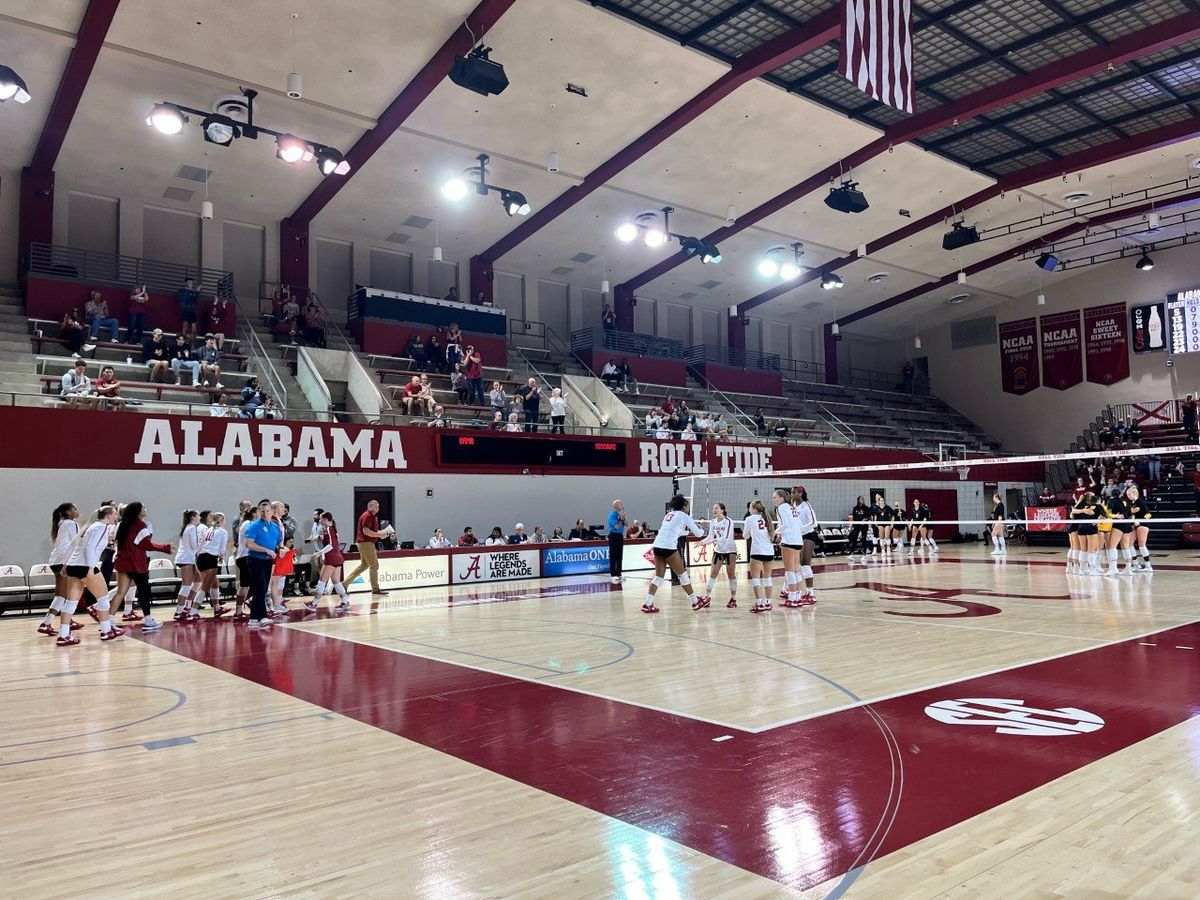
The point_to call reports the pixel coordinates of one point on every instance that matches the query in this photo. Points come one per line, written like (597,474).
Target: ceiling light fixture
(295,88)
(783,260)
(475,176)
(646,226)
(847,198)
(831,281)
(233,118)
(1144,263)
(13,87)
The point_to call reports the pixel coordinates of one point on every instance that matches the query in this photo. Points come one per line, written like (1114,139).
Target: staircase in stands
(18,372)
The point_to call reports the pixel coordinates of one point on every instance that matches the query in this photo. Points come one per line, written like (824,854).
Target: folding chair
(13,587)
(162,574)
(41,584)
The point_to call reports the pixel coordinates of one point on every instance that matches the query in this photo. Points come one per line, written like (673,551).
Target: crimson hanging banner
(1062,350)
(1018,356)
(1107,343)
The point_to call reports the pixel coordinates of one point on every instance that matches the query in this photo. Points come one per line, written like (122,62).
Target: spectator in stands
(674,424)
(1120,433)
(909,373)
(468,539)
(288,321)
(497,423)
(1106,436)
(684,412)
(458,382)
(438,541)
(531,399)
(722,432)
(539,536)
(411,394)
(780,431)
(497,398)
(760,423)
(481,299)
(663,433)
(220,319)
(188,298)
(98,316)
(1153,467)
(1187,415)
(439,419)
(1133,432)
(435,355)
(653,421)
(581,532)
(267,410)
(184,357)
(628,382)
(76,387)
(514,423)
(210,362)
(416,350)
(556,536)
(1196,486)
(452,295)
(610,374)
(108,390)
(496,538)
(156,354)
(703,425)
(426,395)
(314,325)
(252,398)
(668,406)
(139,303)
(718,424)
(558,411)
(518,536)
(636,531)
(474,373)
(454,345)
(1046,497)
(219,408)
(688,433)
(72,331)
(608,318)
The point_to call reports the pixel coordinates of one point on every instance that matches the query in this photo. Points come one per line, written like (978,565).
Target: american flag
(877,50)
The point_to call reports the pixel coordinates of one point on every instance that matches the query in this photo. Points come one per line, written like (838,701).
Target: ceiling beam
(1013,252)
(762,59)
(1162,36)
(478,23)
(92,32)
(1076,162)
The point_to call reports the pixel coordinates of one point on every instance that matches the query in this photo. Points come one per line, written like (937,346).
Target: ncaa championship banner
(1107,343)
(1062,350)
(1019,356)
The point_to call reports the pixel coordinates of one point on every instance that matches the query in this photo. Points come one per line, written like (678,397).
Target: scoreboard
(1183,322)
(518,451)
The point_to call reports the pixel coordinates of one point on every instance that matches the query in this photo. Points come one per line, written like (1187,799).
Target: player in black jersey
(1140,512)
(1120,538)
(916,529)
(1085,512)
(997,518)
(883,521)
(860,515)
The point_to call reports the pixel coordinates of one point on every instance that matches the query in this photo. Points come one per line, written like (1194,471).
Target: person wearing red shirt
(412,394)
(135,541)
(219,318)
(468,538)
(368,534)
(474,366)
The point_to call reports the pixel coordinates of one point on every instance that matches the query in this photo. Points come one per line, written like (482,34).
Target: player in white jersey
(720,535)
(83,570)
(789,535)
(675,524)
(185,558)
(64,528)
(757,529)
(208,561)
(808,532)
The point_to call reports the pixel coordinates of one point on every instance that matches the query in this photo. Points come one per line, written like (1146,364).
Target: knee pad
(685,578)
(806,572)
(791,577)
(56,604)
(657,581)
(339,589)
(104,602)
(68,607)
(756,582)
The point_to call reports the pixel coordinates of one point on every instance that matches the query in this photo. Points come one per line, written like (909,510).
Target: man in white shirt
(610,374)
(76,387)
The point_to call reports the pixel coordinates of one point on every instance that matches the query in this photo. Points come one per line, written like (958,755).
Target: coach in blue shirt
(263,538)
(616,540)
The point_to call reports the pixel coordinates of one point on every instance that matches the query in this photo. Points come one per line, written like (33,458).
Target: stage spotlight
(1047,261)
(167,119)
(626,232)
(847,198)
(220,130)
(710,255)
(831,281)
(790,270)
(654,237)
(959,236)
(330,162)
(693,246)
(1144,263)
(12,86)
(767,267)
(291,149)
(478,73)
(455,189)
(514,203)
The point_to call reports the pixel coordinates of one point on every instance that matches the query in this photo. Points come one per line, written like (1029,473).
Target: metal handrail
(94,266)
(303,296)
(831,419)
(626,342)
(302,358)
(563,349)
(259,361)
(732,356)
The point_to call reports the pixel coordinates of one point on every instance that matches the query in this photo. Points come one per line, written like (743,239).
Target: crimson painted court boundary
(800,804)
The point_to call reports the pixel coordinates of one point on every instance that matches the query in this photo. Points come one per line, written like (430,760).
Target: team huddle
(793,527)
(1105,528)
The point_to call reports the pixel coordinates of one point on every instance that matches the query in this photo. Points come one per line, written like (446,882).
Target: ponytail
(57,517)
(187,514)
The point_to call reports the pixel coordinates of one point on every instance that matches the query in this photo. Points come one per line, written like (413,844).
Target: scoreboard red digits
(519,451)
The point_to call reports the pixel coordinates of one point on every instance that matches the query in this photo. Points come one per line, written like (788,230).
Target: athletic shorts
(724,559)
(900,525)
(762,557)
(793,546)
(1123,527)
(81,571)
(206,562)
(187,316)
(1088,530)
(243,567)
(1072,529)
(56,568)
(660,553)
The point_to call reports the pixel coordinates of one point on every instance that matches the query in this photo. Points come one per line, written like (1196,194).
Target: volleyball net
(955,492)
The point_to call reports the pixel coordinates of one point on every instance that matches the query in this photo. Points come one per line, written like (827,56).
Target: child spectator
(439,418)
(558,411)
(285,565)
(220,319)
(454,345)
(98,316)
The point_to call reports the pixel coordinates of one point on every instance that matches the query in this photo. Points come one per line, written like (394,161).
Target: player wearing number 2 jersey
(757,529)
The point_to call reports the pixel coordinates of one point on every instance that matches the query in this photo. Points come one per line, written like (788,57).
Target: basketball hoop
(963,472)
